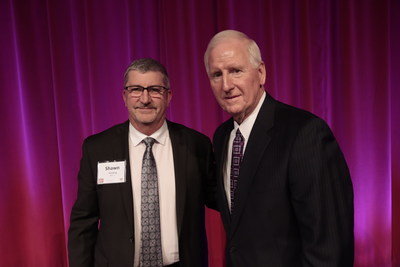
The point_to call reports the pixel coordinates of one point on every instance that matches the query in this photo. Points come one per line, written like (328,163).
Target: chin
(145,119)
(233,111)
(147,122)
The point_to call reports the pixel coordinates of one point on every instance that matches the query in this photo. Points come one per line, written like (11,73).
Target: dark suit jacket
(294,199)
(101,229)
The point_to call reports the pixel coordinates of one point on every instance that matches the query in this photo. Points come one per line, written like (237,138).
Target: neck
(147,129)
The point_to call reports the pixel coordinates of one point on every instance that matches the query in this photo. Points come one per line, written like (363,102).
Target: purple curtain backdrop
(61,67)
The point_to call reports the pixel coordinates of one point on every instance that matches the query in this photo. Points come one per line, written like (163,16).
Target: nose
(227,84)
(145,98)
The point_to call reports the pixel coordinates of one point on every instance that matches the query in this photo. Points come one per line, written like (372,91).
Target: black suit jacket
(294,199)
(101,229)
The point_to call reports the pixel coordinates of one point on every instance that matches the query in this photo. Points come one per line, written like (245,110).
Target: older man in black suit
(284,189)
(143,184)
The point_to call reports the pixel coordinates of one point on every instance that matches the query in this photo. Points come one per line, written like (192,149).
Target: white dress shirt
(162,151)
(245,128)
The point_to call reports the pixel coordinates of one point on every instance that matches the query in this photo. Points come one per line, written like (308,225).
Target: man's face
(236,83)
(146,113)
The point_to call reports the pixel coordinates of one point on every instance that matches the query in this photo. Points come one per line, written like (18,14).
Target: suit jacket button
(232,249)
(131,239)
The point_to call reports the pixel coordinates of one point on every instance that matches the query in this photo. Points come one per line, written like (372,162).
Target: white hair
(252,47)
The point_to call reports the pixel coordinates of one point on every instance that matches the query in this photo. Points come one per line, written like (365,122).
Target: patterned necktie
(237,157)
(151,254)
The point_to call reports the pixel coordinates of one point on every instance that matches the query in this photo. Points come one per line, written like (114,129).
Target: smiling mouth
(231,97)
(145,109)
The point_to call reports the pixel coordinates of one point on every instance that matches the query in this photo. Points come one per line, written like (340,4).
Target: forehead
(136,77)
(229,52)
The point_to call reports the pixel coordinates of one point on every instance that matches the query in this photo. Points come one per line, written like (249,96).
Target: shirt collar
(246,126)
(160,135)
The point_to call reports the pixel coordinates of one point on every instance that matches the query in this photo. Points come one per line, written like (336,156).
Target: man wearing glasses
(143,184)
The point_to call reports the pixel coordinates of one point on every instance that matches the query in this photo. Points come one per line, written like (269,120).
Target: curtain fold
(61,76)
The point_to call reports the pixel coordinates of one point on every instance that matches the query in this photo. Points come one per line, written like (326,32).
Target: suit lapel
(255,149)
(122,151)
(180,158)
(221,153)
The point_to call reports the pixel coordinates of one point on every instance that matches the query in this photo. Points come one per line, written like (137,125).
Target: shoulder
(291,113)
(109,135)
(291,117)
(183,132)
(295,125)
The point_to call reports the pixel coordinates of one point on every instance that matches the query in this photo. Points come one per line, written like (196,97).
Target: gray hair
(144,65)
(252,47)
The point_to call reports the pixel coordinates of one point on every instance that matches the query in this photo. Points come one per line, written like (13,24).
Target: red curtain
(61,67)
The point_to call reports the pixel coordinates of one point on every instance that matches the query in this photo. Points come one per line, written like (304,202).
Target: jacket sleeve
(322,197)
(211,181)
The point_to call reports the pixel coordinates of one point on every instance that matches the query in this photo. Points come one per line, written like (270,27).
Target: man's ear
(262,73)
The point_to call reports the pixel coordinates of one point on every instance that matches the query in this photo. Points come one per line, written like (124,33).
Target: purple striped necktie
(237,157)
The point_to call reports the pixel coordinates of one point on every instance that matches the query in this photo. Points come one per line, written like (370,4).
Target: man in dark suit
(284,189)
(109,225)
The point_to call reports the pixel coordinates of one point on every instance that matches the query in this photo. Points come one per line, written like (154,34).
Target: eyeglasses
(154,90)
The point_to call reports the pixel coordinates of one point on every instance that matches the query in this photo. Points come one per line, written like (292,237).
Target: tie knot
(149,141)
(239,135)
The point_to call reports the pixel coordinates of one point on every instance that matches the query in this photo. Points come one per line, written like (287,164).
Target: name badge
(111,172)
